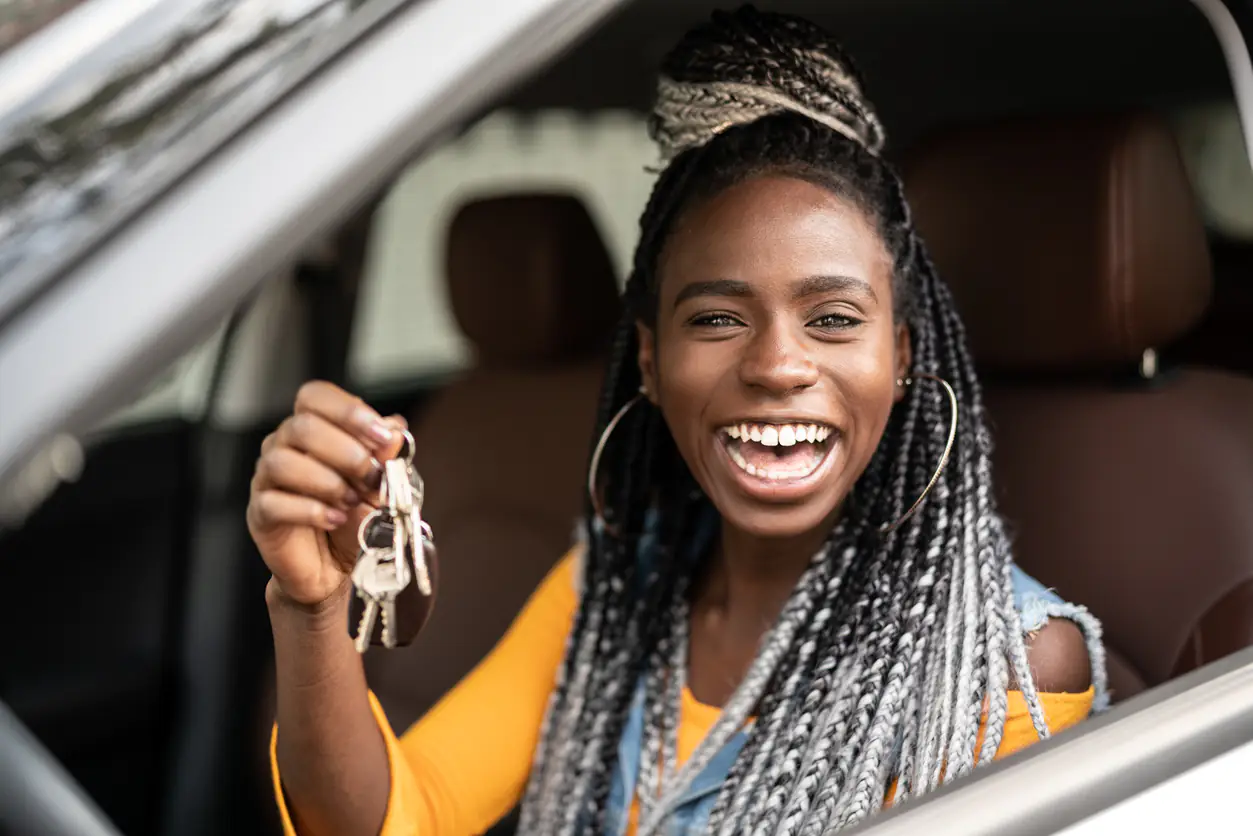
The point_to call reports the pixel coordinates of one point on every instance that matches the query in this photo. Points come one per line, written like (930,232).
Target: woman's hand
(314,482)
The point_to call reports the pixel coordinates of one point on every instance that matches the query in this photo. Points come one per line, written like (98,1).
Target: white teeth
(778,435)
(798,433)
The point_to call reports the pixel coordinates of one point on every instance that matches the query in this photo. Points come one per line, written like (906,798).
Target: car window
(404,328)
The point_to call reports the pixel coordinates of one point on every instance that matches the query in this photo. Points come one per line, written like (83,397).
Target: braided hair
(880,663)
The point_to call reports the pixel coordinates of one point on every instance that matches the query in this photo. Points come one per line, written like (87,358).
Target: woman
(794,602)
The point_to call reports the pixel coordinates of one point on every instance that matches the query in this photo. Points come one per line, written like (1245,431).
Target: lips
(777,460)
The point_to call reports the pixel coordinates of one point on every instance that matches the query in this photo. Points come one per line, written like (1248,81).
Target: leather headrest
(1070,244)
(530,280)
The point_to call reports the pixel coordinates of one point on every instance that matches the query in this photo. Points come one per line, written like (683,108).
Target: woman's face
(775,356)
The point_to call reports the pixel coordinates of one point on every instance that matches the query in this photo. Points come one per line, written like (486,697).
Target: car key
(399,497)
(363,576)
(424,551)
(379,576)
(405,493)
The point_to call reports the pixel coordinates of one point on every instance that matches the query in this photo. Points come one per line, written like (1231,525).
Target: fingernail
(351,499)
(336,517)
(373,425)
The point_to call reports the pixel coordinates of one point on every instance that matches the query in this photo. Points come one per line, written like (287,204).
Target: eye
(715,320)
(835,322)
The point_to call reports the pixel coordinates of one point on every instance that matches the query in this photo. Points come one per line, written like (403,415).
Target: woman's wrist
(330,611)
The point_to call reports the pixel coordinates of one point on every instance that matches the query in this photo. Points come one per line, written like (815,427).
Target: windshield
(103,110)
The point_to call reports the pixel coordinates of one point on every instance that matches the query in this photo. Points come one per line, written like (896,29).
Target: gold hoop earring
(594,468)
(948,449)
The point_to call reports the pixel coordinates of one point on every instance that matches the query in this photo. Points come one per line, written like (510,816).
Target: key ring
(412,448)
(371,518)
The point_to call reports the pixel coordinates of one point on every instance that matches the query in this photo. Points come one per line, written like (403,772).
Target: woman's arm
(308,497)
(329,747)
(459,769)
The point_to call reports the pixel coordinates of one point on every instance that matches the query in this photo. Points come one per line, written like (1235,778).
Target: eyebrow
(809,286)
(814,285)
(717,287)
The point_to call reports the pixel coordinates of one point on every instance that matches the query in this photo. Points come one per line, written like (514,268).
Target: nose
(776,360)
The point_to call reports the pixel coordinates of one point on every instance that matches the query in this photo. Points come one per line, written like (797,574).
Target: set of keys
(396,548)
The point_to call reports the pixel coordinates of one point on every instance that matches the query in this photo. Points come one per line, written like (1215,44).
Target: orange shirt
(464,765)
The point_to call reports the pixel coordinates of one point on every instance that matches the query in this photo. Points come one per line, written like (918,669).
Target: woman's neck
(737,599)
(750,578)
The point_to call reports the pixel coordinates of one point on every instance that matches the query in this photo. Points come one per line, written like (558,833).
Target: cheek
(687,374)
(869,379)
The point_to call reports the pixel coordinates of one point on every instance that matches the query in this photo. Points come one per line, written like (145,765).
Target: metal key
(376,580)
(386,585)
(398,492)
(363,578)
(404,497)
(422,538)
(424,547)
(421,542)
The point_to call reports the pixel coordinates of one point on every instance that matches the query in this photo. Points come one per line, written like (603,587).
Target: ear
(647,359)
(904,358)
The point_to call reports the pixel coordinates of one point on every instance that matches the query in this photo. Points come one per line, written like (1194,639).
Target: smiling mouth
(777,452)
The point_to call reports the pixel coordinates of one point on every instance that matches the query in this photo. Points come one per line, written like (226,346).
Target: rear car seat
(1073,247)
(503,449)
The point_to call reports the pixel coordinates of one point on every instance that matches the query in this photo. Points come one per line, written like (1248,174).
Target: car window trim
(91,341)
(1107,759)
(24,286)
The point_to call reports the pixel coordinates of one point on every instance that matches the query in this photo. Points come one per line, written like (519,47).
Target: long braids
(879,665)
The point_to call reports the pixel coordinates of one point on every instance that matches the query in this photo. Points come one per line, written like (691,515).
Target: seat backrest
(1074,249)
(503,449)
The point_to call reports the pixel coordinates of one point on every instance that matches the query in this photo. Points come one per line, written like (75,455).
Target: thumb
(398,443)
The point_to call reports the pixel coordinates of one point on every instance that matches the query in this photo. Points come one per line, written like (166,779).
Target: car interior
(1077,171)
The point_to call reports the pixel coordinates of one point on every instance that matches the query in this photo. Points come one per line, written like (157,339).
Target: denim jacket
(1034,602)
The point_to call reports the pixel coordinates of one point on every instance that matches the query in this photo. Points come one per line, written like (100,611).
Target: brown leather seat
(1073,247)
(503,449)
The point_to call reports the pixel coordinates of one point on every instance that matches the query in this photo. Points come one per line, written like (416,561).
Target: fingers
(349,413)
(290,470)
(329,450)
(274,508)
(331,446)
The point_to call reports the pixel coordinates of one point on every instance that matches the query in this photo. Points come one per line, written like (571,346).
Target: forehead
(770,228)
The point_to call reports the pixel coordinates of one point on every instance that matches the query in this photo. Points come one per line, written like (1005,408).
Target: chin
(777,522)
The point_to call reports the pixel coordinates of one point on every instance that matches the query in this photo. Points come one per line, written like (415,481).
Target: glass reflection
(102,109)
